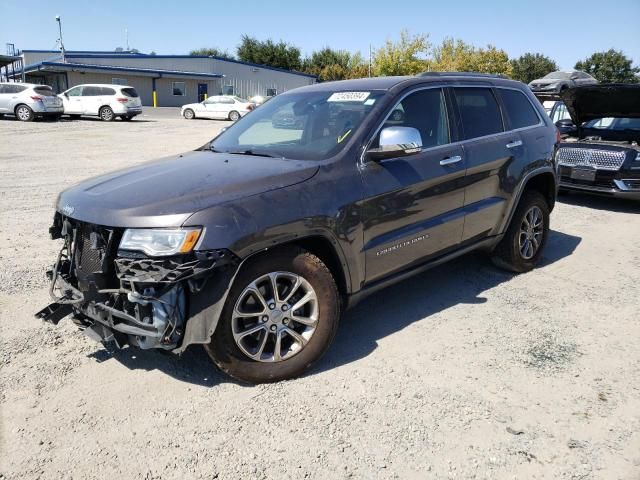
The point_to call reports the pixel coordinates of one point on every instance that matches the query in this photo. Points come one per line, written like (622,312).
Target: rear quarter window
(107,91)
(44,91)
(479,112)
(519,109)
(130,92)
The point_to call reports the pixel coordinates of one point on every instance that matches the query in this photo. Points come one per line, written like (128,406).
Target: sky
(563,30)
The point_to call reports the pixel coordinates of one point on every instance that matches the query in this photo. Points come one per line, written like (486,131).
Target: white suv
(105,101)
(27,101)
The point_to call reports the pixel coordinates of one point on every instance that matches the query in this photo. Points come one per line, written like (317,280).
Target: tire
(106,114)
(512,252)
(127,118)
(231,353)
(234,116)
(24,113)
(189,114)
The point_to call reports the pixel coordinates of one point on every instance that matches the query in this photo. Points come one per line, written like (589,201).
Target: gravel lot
(462,372)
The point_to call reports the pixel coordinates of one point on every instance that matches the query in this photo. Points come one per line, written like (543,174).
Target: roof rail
(461,74)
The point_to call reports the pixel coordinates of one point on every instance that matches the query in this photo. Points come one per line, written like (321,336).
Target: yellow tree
(402,57)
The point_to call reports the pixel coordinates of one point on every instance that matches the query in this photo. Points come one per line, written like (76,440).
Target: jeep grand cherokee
(255,243)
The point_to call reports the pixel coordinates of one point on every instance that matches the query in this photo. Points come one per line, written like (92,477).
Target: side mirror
(565,125)
(396,142)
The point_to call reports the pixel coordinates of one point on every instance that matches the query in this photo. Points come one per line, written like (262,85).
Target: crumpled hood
(590,102)
(165,192)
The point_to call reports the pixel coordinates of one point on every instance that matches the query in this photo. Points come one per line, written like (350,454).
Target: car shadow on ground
(599,202)
(460,281)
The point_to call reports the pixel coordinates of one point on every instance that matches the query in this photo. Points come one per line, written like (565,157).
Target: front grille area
(88,259)
(589,157)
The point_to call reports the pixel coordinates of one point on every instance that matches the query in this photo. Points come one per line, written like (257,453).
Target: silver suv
(28,100)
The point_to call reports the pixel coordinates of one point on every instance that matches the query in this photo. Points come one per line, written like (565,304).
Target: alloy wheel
(531,232)
(23,113)
(275,316)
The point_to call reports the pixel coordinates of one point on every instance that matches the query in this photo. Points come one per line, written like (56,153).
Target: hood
(591,102)
(165,192)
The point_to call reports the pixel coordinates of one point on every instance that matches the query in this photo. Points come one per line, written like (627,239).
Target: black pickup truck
(255,243)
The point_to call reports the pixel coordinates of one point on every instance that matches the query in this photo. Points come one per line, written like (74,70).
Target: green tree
(455,55)
(404,57)
(611,66)
(268,52)
(530,66)
(328,64)
(212,52)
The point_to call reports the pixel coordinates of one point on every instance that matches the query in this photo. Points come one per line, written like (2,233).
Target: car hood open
(591,102)
(165,192)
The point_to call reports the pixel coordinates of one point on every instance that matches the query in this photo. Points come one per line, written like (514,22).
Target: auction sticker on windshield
(348,97)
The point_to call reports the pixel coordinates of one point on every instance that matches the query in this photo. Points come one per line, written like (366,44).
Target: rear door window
(90,91)
(106,91)
(519,109)
(130,92)
(479,112)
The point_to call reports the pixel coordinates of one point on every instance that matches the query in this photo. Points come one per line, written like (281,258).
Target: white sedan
(220,107)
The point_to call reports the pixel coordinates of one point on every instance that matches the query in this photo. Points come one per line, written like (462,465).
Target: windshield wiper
(252,153)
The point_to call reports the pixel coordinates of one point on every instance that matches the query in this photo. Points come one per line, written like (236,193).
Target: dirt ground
(462,372)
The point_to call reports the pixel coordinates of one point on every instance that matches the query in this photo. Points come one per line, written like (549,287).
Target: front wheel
(280,316)
(24,113)
(106,114)
(189,114)
(234,116)
(523,243)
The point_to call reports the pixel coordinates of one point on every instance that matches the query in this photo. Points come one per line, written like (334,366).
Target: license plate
(583,174)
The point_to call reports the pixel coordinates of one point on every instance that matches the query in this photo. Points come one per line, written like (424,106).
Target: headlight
(159,242)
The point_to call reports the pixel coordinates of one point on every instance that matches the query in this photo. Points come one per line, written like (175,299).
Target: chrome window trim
(459,142)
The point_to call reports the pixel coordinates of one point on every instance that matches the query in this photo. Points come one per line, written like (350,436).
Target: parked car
(599,152)
(105,101)
(255,243)
(28,100)
(258,100)
(555,82)
(221,107)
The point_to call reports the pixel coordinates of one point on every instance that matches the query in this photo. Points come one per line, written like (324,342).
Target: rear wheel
(189,114)
(106,114)
(280,317)
(234,116)
(523,243)
(24,113)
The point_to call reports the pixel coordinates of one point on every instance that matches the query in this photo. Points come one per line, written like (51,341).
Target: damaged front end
(130,298)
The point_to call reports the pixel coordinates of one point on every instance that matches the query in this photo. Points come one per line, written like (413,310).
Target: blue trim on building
(112,68)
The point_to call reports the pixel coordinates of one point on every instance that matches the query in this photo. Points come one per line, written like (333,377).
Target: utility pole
(64,56)
(369,60)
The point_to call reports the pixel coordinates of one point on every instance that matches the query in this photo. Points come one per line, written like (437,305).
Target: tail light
(558,137)
(36,98)
(122,100)
(250,107)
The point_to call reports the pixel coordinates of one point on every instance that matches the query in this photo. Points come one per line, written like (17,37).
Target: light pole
(64,58)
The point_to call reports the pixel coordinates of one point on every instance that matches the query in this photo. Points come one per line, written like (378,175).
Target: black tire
(106,114)
(189,114)
(1,115)
(508,254)
(223,348)
(234,116)
(24,113)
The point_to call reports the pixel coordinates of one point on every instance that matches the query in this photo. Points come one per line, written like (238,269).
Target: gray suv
(254,244)
(27,101)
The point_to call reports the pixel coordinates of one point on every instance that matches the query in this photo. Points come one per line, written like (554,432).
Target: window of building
(479,112)
(119,81)
(272,92)
(519,109)
(179,89)
(227,90)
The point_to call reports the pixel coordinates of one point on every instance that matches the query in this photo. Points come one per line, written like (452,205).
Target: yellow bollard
(206,96)
(155,99)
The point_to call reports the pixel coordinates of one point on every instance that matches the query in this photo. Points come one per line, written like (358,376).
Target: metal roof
(151,72)
(7,60)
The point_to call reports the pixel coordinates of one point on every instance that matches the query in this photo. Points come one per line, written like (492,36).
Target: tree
(530,66)
(212,52)
(280,55)
(328,64)
(455,55)
(402,57)
(611,66)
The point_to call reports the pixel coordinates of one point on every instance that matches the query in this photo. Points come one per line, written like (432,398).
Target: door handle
(451,160)
(514,144)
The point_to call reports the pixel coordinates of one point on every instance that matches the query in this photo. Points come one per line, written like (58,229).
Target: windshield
(614,123)
(302,126)
(558,76)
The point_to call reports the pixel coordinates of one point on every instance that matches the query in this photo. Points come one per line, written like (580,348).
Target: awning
(144,72)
